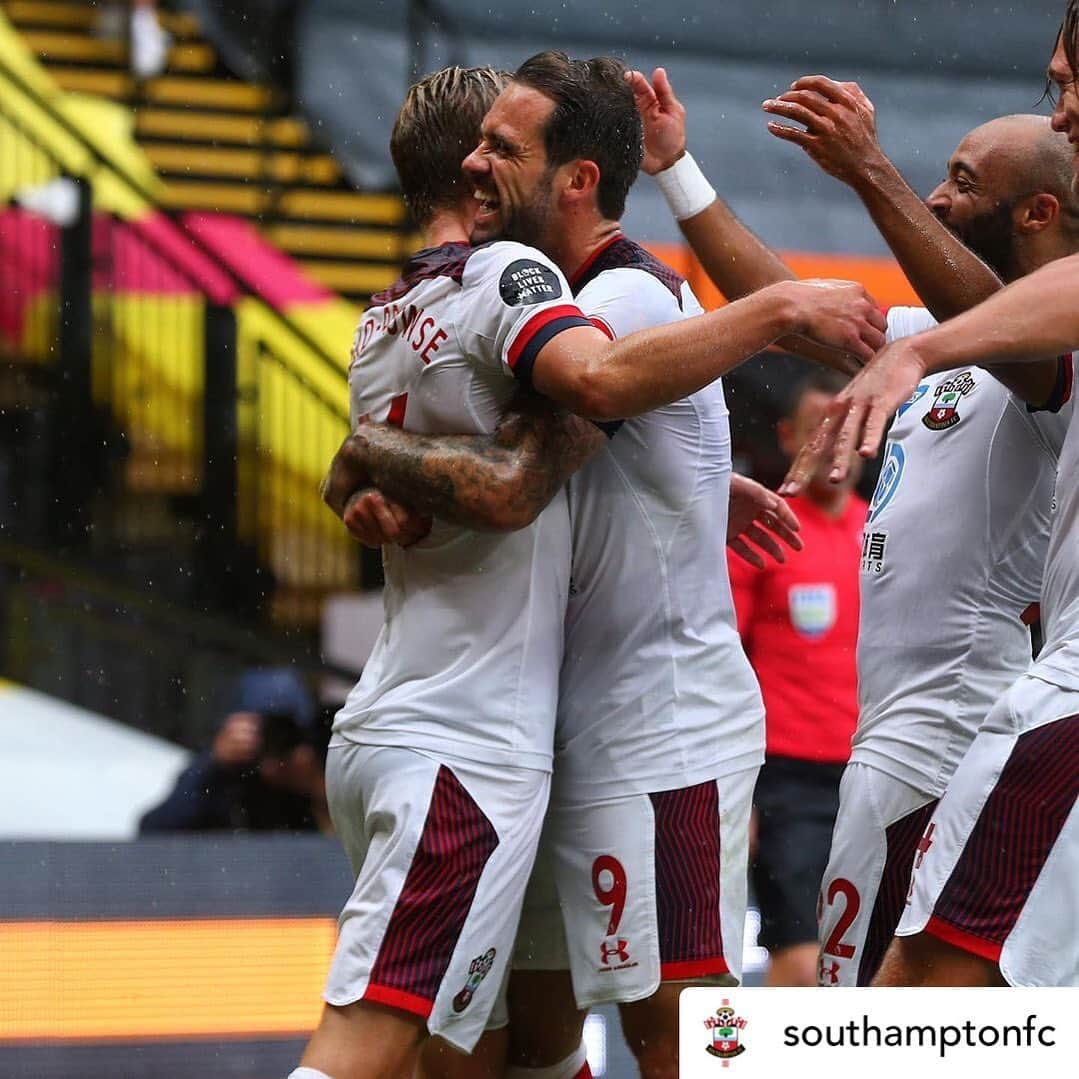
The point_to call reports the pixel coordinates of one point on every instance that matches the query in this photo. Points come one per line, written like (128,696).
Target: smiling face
(512,178)
(997,173)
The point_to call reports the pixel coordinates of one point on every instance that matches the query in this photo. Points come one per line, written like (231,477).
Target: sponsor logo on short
(946,398)
(614,955)
(827,971)
(478,969)
(726,1029)
(614,948)
(812,608)
(923,849)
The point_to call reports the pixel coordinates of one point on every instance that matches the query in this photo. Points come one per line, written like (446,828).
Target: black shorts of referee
(796,802)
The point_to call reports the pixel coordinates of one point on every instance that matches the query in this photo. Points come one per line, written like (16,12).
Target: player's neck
(1046,247)
(831,501)
(446,227)
(576,246)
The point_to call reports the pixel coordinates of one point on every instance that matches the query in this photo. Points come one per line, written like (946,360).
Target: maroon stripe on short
(687,879)
(902,838)
(1013,835)
(441,884)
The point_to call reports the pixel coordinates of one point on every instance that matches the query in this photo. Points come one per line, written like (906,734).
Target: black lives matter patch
(526,282)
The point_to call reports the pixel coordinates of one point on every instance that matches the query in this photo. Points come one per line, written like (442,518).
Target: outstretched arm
(734,257)
(840,135)
(499,482)
(607,380)
(1035,317)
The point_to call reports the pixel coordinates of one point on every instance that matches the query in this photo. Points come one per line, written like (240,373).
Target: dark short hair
(818,380)
(1069,35)
(438,125)
(594,118)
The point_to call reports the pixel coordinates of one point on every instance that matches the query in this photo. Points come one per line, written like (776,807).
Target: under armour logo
(828,975)
(924,844)
(614,947)
(923,849)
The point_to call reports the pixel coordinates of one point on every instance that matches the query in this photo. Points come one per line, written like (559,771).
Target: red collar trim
(587,264)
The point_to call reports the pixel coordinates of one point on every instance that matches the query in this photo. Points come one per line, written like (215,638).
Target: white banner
(988,1033)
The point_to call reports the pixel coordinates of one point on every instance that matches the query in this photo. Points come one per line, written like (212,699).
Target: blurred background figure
(799,626)
(263,770)
(148,41)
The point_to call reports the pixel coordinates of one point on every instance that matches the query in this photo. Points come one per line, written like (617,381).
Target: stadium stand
(172,387)
(222,144)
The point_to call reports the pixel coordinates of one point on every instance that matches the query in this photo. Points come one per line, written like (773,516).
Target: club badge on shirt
(945,410)
(812,608)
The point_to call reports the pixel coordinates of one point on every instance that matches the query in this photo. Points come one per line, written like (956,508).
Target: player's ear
(583,179)
(1037,212)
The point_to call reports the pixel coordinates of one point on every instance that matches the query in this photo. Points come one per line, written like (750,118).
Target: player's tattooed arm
(497,483)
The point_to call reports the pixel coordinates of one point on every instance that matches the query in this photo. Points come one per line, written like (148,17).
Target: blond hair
(438,125)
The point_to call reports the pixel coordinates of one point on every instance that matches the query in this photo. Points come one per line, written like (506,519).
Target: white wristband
(685,188)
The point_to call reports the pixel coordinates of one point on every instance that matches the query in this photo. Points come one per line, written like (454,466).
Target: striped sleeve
(514,301)
(535,333)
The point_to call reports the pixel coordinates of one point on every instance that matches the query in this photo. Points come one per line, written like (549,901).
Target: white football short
(442,851)
(1000,873)
(644,889)
(874,845)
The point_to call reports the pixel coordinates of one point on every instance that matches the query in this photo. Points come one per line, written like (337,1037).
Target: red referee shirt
(799,627)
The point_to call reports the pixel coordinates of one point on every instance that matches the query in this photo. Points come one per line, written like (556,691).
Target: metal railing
(176,416)
(127,653)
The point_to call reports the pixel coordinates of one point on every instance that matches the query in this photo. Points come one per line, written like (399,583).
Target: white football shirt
(468,658)
(952,560)
(656,690)
(1058,661)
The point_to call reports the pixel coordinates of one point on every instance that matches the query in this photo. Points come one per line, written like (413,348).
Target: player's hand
(376,520)
(859,414)
(839,314)
(664,118)
(239,740)
(347,474)
(759,516)
(840,125)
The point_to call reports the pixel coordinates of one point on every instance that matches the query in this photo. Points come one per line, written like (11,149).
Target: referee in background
(799,626)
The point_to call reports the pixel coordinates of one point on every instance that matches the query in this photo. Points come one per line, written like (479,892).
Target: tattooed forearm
(499,482)
(346,476)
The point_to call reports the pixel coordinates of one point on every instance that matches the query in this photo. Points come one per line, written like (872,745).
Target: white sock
(566,1069)
(308,1073)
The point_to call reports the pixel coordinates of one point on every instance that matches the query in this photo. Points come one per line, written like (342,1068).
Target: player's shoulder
(630,289)
(906,321)
(523,275)
(447,261)
(623,259)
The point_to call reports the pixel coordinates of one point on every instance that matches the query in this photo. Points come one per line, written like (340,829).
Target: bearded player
(992,898)
(929,669)
(606,871)
(439,767)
